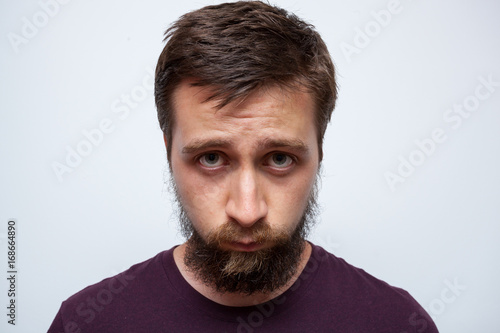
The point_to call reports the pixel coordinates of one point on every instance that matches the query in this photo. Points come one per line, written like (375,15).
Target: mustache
(261,232)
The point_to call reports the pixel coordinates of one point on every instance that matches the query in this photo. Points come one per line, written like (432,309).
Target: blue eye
(280,160)
(211,160)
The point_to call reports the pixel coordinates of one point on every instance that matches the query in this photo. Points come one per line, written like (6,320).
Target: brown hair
(236,48)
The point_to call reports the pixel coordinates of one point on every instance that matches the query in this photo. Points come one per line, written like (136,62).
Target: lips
(245,246)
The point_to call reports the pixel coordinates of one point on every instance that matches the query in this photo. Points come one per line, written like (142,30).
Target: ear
(166,148)
(165,140)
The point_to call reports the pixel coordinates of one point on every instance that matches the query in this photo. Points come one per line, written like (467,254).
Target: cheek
(203,200)
(287,203)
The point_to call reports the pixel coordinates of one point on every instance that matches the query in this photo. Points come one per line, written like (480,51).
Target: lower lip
(250,247)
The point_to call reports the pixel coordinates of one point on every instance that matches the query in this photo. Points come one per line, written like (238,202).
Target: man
(244,92)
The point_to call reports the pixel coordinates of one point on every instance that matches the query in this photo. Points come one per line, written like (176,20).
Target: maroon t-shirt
(329,296)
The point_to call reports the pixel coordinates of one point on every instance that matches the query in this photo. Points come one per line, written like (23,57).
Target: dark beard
(264,270)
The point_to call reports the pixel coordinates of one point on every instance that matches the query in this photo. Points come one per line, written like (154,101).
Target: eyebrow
(293,144)
(200,145)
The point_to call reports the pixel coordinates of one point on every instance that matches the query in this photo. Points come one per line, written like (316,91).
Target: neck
(236,299)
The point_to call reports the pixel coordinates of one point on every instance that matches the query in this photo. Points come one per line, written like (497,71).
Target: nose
(246,203)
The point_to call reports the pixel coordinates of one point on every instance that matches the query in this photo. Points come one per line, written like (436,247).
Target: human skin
(253,160)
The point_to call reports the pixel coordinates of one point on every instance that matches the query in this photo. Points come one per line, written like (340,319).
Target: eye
(211,160)
(280,160)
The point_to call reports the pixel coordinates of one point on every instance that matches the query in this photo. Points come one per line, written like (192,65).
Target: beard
(261,271)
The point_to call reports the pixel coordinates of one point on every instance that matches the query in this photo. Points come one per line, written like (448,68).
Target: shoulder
(359,296)
(115,294)
(337,272)
(117,283)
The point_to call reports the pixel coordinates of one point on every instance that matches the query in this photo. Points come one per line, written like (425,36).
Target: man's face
(244,176)
(247,162)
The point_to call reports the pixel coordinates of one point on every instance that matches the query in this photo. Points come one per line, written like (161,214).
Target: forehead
(268,107)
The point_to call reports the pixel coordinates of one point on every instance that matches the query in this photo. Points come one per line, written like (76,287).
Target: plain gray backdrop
(410,188)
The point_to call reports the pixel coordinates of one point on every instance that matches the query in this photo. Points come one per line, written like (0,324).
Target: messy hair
(237,48)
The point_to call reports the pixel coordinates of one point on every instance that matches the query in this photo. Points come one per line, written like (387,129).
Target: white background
(438,227)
